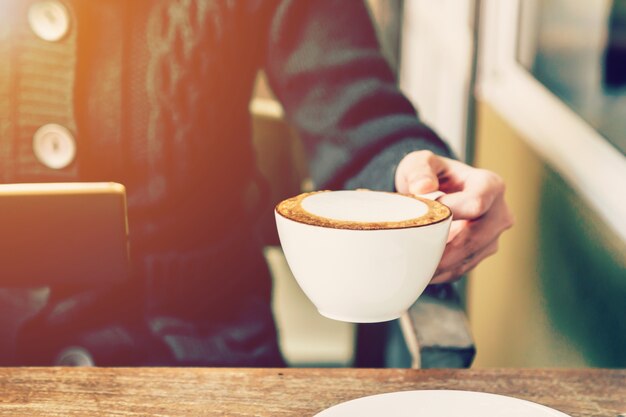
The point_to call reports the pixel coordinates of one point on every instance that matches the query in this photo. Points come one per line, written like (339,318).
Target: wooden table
(284,392)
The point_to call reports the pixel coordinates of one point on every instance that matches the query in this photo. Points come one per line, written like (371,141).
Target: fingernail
(421,186)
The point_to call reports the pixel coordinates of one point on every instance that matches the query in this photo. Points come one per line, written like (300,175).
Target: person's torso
(152,94)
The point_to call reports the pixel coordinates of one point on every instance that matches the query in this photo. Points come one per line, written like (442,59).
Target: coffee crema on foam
(292,209)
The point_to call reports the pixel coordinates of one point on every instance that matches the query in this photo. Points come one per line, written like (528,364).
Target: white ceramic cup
(362,256)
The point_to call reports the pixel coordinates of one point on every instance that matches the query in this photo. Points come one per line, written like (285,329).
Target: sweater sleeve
(324,64)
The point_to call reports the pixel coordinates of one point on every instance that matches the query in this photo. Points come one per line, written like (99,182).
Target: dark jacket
(156,94)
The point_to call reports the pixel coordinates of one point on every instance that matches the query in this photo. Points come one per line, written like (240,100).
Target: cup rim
(291,209)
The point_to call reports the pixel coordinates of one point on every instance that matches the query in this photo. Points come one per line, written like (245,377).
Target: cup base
(349,319)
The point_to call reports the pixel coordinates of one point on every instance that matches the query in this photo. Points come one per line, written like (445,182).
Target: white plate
(439,403)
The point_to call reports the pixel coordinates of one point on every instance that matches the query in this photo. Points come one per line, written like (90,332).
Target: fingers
(470,191)
(456,227)
(472,241)
(467,265)
(476,198)
(480,190)
(477,234)
(457,254)
(418,173)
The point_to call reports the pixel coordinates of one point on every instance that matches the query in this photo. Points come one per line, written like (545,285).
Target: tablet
(63,234)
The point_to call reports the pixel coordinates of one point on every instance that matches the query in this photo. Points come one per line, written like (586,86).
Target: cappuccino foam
(362,210)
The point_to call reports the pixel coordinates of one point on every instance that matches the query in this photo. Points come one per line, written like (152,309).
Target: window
(541,67)
(577,49)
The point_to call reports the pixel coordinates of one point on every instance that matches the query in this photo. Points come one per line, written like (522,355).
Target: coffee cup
(362,256)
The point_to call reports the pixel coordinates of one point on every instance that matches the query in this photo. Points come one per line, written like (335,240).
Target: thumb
(417,173)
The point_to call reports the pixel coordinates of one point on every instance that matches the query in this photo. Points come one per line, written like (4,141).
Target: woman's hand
(476,198)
